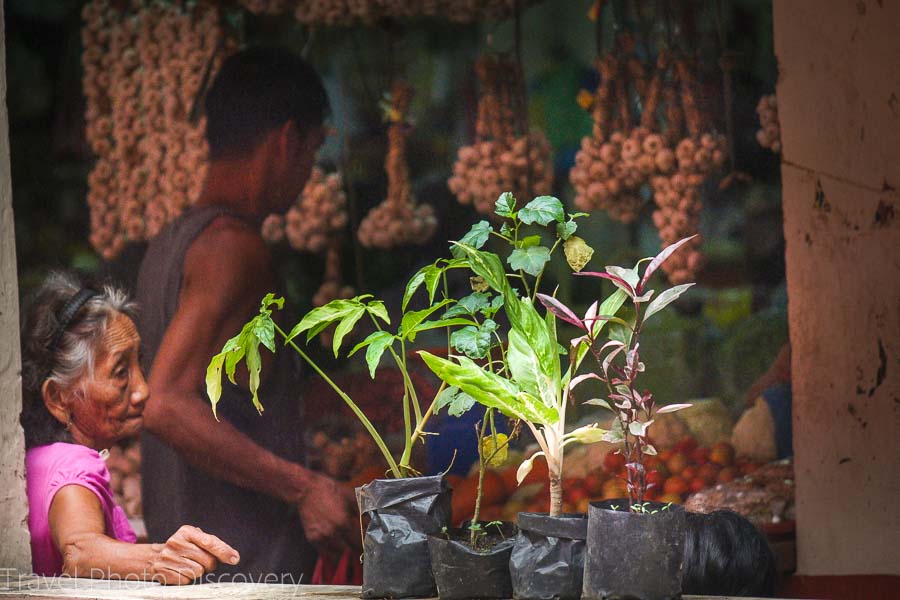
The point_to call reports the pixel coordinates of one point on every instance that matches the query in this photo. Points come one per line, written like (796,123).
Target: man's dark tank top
(265,531)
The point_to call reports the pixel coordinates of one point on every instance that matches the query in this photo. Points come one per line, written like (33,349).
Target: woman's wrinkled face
(112,403)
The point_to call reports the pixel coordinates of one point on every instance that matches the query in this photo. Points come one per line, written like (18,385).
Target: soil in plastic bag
(461,571)
(634,555)
(402,513)
(547,560)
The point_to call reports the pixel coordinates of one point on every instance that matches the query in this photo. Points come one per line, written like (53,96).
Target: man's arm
(226,273)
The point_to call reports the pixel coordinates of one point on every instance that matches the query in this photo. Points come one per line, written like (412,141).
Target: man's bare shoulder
(229,250)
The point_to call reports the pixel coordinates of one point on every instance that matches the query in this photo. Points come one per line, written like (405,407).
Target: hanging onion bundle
(620,157)
(505,156)
(769,136)
(143,65)
(397,220)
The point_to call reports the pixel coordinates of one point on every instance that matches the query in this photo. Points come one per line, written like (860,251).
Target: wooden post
(15,548)
(839,110)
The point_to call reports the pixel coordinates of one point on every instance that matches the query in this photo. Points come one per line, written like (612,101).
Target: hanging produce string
(727,62)
(522,112)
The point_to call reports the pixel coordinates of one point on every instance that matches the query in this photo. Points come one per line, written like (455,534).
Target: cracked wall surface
(838,89)
(15,550)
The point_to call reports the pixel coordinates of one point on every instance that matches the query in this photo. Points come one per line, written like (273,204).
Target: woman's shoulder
(62,456)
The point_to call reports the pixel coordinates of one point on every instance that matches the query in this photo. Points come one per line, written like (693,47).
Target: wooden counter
(30,587)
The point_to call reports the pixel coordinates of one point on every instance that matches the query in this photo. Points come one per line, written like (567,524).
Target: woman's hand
(189,554)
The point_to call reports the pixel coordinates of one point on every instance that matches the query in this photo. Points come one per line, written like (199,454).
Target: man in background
(201,279)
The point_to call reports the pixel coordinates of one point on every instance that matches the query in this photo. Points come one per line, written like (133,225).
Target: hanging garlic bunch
(504,157)
(143,64)
(318,217)
(769,136)
(398,220)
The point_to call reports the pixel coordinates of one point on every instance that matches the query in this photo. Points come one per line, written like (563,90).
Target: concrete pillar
(839,107)
(15,549)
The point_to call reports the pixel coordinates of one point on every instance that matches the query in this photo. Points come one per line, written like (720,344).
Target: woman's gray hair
(72,360)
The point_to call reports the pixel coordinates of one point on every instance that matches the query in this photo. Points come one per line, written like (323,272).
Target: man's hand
(188,554)
(329,515)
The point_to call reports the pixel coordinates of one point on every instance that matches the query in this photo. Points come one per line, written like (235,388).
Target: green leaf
(629,275)
(529,241)
(413,284)
(476,238)
(666,298)
(377,309)
(412,319)
(488,266)
(457,401)
(468,305)
(270,299)
(542,210)
(427,325)
(588,434)
(506,230)
(254,365)
(264,330)
(531,260)
(344,327)
(380,342)
(565,230)
(505,205)
(525,468)
(214,380)
(490,389)
(432,280)
(577,252)
(474,342)
(323,316)
(525,318)
(233,352)
(528,372)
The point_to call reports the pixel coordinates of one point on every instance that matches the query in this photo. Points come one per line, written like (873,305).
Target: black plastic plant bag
(634,555)
(547,560)
(461,572)
(401,513)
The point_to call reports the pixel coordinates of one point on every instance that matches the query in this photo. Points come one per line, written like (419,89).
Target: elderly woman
(83,391)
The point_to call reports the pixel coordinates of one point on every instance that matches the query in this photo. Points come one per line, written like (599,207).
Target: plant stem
(481,468)
(555,494)
(395,469)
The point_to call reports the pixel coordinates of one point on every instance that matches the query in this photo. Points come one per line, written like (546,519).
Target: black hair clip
(67,313)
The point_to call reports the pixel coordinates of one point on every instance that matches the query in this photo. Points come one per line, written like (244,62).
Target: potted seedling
(403,508)
(472,561)
(528,383)
(634,548)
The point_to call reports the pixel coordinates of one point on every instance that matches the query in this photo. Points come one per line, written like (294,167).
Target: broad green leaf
(468,305)
(382,340)
(526,467)
(536,330)
(270,299)
(529,241)
(531,260)
(505,205)
(639,428)
(369,339)
(428,325)
(344,327)
(476,237)
(506,230)
(666,298)
(254,365)
(542,210)
(527,371)
(264,330)
(456,401)
(565,230)
(214,380)
(377,309)
(411,319)
(474,342)
(577,252)
(488,266)
(490,389)
(413,284)
(233,352)
(323,316)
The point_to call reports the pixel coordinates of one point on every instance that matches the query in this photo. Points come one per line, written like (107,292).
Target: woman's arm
(79,532)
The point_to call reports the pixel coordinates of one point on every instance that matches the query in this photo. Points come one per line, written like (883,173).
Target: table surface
(31,587)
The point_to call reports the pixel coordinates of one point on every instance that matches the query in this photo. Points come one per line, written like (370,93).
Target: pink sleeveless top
(49,468)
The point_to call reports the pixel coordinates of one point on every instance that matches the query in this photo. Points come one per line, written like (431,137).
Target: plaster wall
(15,550)
(839,107)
